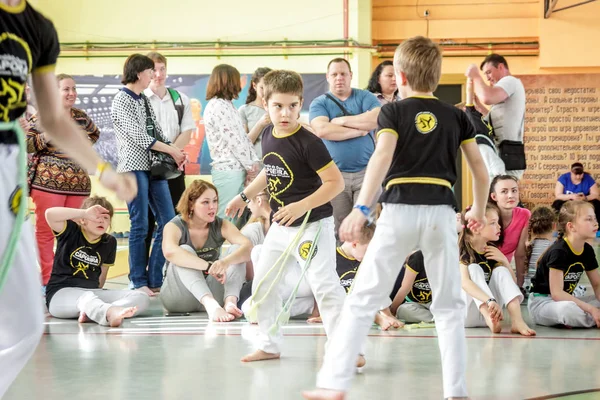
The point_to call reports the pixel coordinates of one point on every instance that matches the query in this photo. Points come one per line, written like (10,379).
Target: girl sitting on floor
(560,268)
(488,280)
(541,227)
(84,252)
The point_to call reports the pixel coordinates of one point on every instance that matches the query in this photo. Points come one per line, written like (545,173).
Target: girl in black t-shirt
(84,252)
(559,269)
(487,276)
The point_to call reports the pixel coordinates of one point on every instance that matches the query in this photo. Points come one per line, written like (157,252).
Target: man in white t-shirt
(173,112)
(506,95)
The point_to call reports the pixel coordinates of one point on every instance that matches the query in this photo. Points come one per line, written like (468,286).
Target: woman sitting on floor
(197,274)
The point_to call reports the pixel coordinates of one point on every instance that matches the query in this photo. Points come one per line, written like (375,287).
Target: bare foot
(521,328)
(495,326)
(115,315)
(323,394)
(220,315)
(387,321)
(148,291)
(83,318)
(361,361)
(232,309)
(260,355)
(315,320)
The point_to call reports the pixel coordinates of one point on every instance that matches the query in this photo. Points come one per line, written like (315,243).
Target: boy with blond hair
(417,213)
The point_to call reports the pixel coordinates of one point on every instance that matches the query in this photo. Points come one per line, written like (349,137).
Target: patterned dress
(50,170)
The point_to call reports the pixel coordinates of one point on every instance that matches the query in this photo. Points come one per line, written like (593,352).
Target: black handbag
(513,155)
(512,152)
(162,165)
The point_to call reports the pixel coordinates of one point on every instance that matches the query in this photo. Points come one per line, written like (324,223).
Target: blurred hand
(219,271)
(124,185)
(472,71)
(264,120)
(96,213)
(287,215)
(494,253)
(352,226)
(178,155)
(475,219)
(236,207)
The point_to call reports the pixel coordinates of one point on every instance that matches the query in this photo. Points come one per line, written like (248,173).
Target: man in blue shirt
(345,118)
(576,185)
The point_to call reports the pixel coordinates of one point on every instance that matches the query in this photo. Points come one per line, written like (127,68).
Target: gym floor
(159,357)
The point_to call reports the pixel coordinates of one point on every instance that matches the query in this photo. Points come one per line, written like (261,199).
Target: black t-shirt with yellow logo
(28,43)
(292,163)
(346,268)
(420,291)
(78,262)
(484,264)
(429,133)
(561,256)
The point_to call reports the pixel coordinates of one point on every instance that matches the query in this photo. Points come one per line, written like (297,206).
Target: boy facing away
(415,156)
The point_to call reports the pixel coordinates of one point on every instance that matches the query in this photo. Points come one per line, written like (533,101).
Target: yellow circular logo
(304,249)
(15,200)
(425,122)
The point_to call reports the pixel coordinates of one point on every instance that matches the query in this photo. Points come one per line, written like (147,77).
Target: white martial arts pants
(401,229)
(321,277)
(547,312)
(304,302)
(69,302)
(21,301)
(413,313)
(502,287)
(492,161)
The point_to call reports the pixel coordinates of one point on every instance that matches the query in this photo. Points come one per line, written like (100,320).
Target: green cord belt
(11,247)
(279,267)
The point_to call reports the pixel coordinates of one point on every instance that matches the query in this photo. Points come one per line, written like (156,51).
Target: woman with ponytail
(253,113)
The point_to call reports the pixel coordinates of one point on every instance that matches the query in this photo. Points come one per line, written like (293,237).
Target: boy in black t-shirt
(348,258)
(29,45)
(412,300)
(415,155)
(301,178)
(84,252)
(559,270)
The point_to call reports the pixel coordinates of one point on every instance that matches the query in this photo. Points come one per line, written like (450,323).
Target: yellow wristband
(101,167)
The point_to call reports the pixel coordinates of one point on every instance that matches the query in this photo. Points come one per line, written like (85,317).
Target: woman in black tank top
(198,275)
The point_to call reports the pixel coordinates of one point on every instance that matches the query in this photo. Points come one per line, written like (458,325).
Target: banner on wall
(95,95)
(562,126)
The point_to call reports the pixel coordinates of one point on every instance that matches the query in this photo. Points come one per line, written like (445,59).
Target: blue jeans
(155,194)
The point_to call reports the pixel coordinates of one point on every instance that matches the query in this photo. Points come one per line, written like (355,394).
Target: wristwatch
(487,303)
(244,197)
